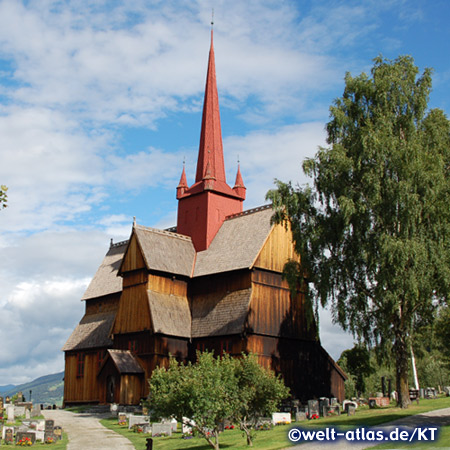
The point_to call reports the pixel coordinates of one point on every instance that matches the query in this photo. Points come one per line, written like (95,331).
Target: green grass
(276,438)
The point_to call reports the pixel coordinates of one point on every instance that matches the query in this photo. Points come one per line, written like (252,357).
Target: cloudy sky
(100,103)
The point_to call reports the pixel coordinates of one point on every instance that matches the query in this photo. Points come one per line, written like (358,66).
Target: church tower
(203,207)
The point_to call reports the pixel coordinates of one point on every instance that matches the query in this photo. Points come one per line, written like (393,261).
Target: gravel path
(86,433)
(439,417)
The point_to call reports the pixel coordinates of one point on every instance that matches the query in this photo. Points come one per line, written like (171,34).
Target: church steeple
(202,208)
(210,153)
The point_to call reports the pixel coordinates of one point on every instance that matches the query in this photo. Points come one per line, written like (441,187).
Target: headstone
(137,420)
(333,401)
(300,416)
(9,435)
(27,414)
(351,410)
(323,403)
(122,419)
(40,425)
(345,404)
(19,411)
(313,408)
(36,411)
(10,413)
(57,432)
(160,429)
(281,418)
(23,436)
(48,430)
(447,391)
(40,435)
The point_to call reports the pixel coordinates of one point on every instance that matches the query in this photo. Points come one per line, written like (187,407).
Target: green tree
(374,231)
(356,362)
(3,196)
(259,393)
(204,392)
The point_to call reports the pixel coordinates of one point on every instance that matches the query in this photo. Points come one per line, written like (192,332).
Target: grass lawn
(276,438)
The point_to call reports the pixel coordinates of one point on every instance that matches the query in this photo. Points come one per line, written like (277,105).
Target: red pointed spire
(239,186)
(210,153)
(182,185)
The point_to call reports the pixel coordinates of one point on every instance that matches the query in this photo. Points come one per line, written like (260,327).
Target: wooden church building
(212,283)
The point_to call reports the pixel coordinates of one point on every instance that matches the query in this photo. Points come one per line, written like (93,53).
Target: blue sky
(100,102)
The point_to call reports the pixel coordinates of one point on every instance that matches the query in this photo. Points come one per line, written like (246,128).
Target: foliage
(356,362)
(212,390)
(3,196)
(259,393)
(205,392)
(374,231)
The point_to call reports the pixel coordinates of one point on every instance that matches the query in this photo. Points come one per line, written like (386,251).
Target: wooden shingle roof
(236,244)
(165,251)
(93,331)
(105,280)
(220,313)
(125,361)
(170,314)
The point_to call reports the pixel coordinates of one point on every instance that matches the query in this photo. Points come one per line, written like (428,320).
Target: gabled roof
(93,331)
(105,280)
(220,313)
(124,361)
(237,243)
(165,251)
(170,314)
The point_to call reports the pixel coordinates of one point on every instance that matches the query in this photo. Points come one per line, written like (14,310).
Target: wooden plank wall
(81,389)
(305,367)
(133,258)
(134,313)
(277,250)
(108,303)
(275,312)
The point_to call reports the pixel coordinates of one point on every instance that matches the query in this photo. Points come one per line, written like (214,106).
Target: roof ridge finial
(212,18)
(134,221)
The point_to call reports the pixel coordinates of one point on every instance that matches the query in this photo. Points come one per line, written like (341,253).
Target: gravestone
(27,414)
(349,402)
(159,429)
(19,411)
(10,413)
(57,432)
(323,404)
(36,410)
(281,417)
(122,419)
(48,430)
(313,408)
(137,420)
(351,410)
(300,416)
(25,435)
(40,435)
(333,401)
(9,435)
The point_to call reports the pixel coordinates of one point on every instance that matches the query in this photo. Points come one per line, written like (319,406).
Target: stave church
(214,282)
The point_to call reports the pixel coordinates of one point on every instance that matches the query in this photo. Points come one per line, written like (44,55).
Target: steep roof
(165,251)
(93,331)
(220,314)
(105,280)
(237,243)
(170,314)
(125,361)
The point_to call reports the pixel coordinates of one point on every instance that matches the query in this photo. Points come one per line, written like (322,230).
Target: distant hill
(6,388)
(48,390)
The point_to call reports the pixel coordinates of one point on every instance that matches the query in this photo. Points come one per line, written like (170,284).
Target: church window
(80,364)
(100,358)
(132,346)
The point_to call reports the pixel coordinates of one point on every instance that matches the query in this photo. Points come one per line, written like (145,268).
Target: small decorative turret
(239,187)
(182,185)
